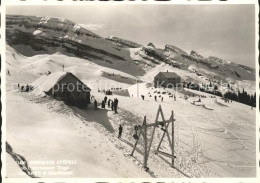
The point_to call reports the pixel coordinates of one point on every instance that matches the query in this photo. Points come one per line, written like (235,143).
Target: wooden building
(64,86)
(166,79)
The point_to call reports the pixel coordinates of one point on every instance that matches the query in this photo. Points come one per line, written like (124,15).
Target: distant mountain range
(32,35)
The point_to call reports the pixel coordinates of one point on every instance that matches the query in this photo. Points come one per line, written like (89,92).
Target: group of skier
(110,103)
(26,88)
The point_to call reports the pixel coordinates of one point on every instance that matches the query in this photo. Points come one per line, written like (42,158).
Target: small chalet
(166,79)
(63,86)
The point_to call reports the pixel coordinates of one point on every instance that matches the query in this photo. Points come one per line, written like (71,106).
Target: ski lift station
(166,79)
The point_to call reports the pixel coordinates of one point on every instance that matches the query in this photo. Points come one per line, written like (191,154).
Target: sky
(225,31)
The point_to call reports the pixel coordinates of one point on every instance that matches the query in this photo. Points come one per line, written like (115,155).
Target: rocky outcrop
(151,44)
(175,49)
(196,54)
(123,43)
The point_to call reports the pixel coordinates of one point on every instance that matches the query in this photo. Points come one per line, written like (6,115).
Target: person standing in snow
(162,99)
(103,104)
(120,130)
(155,98)
(115,104)
(92,97)
(112,105)
(108,103)
(142,97)
(27,88)
(105,99)
(95,104)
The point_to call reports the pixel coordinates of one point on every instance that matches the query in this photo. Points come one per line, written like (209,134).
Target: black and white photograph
(130,90)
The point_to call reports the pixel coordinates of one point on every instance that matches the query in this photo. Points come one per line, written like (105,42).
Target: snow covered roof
(46,82)
(168,74)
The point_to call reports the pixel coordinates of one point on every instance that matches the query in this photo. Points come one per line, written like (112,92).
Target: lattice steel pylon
(164,126)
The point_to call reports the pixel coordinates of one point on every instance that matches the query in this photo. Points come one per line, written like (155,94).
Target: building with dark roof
(63,86)
(167,79)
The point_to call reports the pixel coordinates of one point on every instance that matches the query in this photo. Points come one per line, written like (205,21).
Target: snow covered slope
(31,35)
(208,143)
(25,70)
(213,139)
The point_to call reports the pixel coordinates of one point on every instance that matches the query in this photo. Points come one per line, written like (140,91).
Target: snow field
(208,143)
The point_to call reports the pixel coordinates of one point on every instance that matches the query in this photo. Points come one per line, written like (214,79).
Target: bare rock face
(151,44)
(123,43)
(196,54)
(174,49)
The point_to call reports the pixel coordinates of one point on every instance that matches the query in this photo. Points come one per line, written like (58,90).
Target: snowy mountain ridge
(123,42)
(31,35)
(195,54)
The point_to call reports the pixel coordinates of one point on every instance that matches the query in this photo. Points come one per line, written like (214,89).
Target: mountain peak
(195,54)
(123,42)
(44,24)
(151,44)
(175,49)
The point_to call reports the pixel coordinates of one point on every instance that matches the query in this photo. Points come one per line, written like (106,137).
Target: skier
(27,88)
(103,104)
(142,97)
(162,99)
(155,98)
(112,105)
(105,99)
(115,105)
(108,103)
(120,129)
(95,103)
(92,97)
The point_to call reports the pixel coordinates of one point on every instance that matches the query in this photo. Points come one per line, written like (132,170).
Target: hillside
(31,35)
(24,70)
(213,138)
(219,145)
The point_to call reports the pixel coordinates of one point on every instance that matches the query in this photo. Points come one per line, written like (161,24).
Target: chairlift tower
(147,145)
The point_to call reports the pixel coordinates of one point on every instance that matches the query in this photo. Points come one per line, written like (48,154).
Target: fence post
(145,143)
(172,139)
